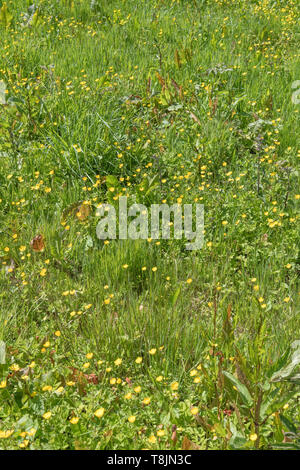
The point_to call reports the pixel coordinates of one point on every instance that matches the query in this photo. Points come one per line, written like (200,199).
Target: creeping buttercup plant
(134,344)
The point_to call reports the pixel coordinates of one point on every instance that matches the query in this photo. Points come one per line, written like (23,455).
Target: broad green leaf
(218,428)
(112,181)
(237,440)
(287,371)
(241,388)
(288,424)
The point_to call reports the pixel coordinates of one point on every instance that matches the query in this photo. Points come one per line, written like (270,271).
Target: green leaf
(5,16)
(36,19)
(218,428)
(288,424)
(286,372)
(237,440)
(175,296)
(242,390)
(112,181)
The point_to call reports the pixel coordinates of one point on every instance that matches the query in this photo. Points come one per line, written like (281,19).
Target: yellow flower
(253,437)
(74,420)
(146,401)
(159,378)
(43,272)
(99,413)
(57,333)
(138,389)
(86,365)
(24,444)
(89,355)
(174,386)
(194,410)
(47,415)
(189,281)
(152,351)
(152,439)
(47,388)
(3,384)
(131,419)
(138,360)
(160,433)
(118,362)
(6,434)
(193,372)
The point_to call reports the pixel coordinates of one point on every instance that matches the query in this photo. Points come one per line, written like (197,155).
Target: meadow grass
(142,344)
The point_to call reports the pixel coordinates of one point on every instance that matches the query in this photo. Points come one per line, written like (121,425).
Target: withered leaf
(83,212)
(38,243)
(189,445)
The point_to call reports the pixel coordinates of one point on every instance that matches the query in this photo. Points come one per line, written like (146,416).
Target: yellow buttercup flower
(3,384)
(174,386)
(99,413)
(74,420)
(6,434)
(47,415)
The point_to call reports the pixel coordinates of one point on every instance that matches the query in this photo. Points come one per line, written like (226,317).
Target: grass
(142,344)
